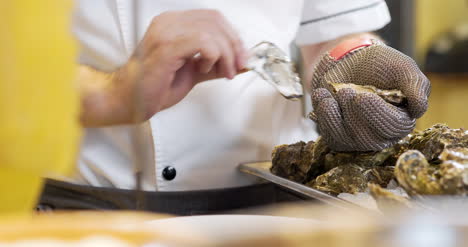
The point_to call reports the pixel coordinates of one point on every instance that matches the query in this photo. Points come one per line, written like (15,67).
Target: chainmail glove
(355,121)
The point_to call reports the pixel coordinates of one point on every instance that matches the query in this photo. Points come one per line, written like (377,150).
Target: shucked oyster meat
(274,66)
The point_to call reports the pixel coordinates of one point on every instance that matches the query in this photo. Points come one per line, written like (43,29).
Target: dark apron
(59,195)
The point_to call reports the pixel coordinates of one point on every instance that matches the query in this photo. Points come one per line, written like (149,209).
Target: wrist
(103,97)
(350,45)
(122,93)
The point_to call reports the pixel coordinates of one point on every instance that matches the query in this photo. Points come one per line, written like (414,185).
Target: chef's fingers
(329,120)
(214,57)
(213,74)
(222,25)
(386,120)
(227,61)
(210,54)
(362,134)
(236,43)
(198,45)
(184,80)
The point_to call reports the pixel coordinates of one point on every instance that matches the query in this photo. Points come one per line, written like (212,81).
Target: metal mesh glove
(352,121)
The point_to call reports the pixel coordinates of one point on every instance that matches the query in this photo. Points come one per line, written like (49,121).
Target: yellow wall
(434,17)
(448,102)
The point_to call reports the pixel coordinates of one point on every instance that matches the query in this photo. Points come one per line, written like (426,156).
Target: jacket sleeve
(324,20)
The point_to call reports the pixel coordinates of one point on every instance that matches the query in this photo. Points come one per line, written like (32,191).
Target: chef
(202,116)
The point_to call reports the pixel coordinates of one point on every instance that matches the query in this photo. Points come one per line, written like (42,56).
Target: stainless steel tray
(262,170)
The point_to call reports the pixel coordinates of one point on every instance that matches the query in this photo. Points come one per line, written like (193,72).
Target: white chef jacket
(220,123)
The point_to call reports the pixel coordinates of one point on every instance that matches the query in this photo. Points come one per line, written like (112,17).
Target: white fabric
(221,123)
(324,20)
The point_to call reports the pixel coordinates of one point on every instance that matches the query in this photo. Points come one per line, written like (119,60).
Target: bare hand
(178,50)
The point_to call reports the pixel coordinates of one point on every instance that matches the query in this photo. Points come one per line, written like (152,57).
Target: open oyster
(274,66)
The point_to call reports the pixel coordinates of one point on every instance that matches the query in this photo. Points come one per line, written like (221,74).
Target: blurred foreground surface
(39,130)
(442,223)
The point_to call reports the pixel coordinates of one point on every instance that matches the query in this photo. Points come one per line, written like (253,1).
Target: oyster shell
(351,179)
(394,97)
(320,152)
(364,159)
(293,161)
(300,161)
(437,163)
(432,141)
(341,179)
(429,162)
(454,171)
(380,175)
(417,176)
(387,200)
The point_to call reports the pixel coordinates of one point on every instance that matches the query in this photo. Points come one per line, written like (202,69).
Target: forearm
(311,54)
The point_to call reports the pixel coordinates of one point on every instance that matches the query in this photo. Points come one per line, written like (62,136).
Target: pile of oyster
(429,162)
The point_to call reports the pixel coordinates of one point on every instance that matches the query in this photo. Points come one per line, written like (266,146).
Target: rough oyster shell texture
(436,164)
(387,200)
(394,97)
(429,162)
